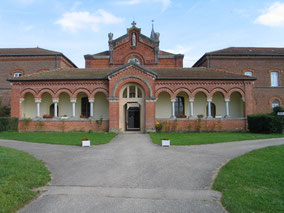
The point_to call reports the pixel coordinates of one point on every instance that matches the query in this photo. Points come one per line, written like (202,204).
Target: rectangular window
(248,73)
(17,74)
(274,79)
(179,106)
(85,107)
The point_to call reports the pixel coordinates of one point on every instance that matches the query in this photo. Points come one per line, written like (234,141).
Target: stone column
(209,100)
(21,109)
(73,101)
(173,116)
(55,102)
(136,92)
(91,101)
(38,101)
(227,101)
(191,100)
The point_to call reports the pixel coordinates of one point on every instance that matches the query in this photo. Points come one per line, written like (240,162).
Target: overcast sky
(76,28)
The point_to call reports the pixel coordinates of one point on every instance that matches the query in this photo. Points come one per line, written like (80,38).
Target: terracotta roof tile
(26,51)
(249,51)
(163,73)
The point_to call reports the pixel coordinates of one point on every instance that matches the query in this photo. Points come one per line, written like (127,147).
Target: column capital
(91,100)
(37,100)
(209,99)
(227,99)
(173,100)
(73,100)
(244,99)
(113,99)
(55,100)
(191,99)
(21,100)
(150,99)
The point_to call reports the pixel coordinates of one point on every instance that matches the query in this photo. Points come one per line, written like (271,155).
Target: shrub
(277,109)
(264,123)
(8,124)
(275,113)
(158,126)
(4,111)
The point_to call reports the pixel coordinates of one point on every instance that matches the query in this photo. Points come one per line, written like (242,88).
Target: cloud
(273,16)
(76,4)
(28,27)
(74,21)
(179,49)
(165,3)
(188,60)
(128,2)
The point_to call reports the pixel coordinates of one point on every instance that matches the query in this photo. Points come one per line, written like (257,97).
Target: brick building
(15,62)
(266,64)
(129,87)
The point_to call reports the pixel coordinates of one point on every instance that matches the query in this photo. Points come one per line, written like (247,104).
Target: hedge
(8,124)
(265,123)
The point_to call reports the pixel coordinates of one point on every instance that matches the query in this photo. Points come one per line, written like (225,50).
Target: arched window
(132,91)
(179,106)
(134,59)
(275,103)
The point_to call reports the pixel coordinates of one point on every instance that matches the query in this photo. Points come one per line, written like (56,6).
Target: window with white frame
(274,79)
(275,103)
(248,73)
(132,91)
(17,74)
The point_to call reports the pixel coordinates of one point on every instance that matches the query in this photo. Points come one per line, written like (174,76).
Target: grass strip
(253,182)
(208,138)
(73,138)
(19,173)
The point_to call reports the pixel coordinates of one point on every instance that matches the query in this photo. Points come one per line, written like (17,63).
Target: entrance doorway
(132,108)
(132,118)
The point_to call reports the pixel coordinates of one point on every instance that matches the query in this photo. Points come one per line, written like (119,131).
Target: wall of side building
(25,65)
(261,68)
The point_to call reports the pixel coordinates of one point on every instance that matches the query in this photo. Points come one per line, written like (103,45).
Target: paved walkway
(130,174)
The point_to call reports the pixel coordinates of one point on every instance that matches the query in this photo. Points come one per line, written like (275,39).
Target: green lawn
(58,137)
(208,138)
(19,173)
(253,182)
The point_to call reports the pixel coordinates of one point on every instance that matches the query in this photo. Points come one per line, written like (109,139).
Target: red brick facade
(27,61)
(261,64)
(134,59)
(145,49)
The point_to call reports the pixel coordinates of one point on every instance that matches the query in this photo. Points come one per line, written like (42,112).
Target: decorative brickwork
(132,75)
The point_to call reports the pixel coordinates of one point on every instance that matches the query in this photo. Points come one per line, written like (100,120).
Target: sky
(192,28)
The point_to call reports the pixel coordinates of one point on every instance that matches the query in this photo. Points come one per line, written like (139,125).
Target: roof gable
(133,64)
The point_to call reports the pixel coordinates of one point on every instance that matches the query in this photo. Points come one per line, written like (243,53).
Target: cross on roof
(133,24)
